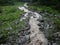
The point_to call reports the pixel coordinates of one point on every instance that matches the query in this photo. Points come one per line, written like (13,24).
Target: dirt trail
(37,37)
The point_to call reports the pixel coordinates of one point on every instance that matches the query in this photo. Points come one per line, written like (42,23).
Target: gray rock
(39,24)
(23,39)
(27,32)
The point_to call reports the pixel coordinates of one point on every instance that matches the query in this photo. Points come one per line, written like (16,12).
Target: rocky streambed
(41,28)
(36,36)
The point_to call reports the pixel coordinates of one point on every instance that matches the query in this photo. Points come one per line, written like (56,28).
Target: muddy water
(36,36)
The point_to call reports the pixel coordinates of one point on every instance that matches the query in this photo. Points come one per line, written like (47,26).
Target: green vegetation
(10,13)
(8,2)
(10,21)
(55,4)
(57,23)
(43,9)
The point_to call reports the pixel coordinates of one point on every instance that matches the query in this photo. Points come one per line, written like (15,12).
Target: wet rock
(23,39)
(38,19)
(22,33)
(39,24)
(52,43)
(41,28)
(26,32)
(50,26)
(42,21)
(57,34)
(27,27)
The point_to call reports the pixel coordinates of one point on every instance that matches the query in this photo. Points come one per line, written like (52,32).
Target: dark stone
(23,39)
(38,19)
(42,21)
(39,24)
(27,27)
(26,32)
(34,16)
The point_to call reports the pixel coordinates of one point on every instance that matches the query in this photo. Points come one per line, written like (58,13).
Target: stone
(41,20)
(27,32)
(39,24)
(23,39)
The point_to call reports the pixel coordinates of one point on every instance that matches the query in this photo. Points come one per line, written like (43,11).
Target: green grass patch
(44,8)
(8,17)
(10,13)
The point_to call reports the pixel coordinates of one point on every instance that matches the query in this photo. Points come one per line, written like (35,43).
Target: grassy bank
(10,13)
(10,20)
(42,8)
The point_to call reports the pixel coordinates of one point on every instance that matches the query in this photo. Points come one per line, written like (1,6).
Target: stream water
(36,36)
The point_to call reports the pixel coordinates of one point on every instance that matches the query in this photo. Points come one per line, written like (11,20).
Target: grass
(10,12)
(44,8)
(9,15)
